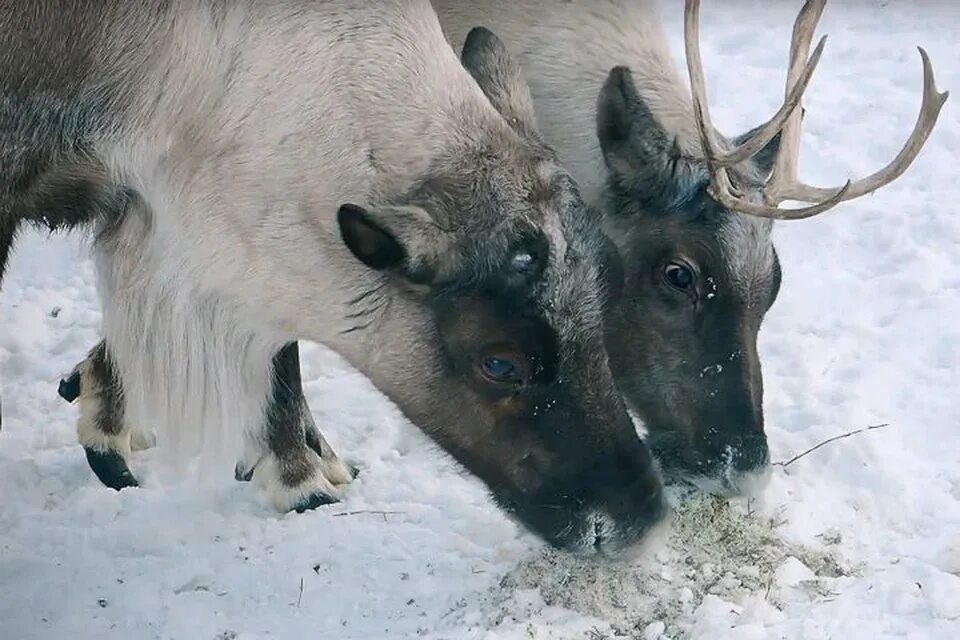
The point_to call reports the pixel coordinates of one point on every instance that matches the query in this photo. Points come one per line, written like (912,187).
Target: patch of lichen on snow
(713,547)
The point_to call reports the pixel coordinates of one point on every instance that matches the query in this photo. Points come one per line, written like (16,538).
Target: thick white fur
(255,127)
(284,498)
(89,435)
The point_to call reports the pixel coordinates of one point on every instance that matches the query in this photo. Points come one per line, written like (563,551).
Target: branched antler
(783,183)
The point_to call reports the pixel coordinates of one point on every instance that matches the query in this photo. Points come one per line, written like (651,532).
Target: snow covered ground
(860,539)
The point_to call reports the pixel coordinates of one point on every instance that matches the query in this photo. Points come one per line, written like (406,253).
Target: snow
(860,539)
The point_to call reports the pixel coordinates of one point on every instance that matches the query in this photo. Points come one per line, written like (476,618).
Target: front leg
(290,459)
(293,462)
(101,428)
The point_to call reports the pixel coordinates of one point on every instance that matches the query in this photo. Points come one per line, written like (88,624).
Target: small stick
(300,595)
(828,441)
(364,511)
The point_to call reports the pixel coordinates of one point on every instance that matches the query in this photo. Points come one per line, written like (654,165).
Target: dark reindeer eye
(679,276)
(503,368)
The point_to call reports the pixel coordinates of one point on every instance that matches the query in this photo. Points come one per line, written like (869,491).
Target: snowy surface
(860,539)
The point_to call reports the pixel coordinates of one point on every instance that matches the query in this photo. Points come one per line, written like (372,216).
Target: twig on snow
(300,595)
(366,511)
(787,463)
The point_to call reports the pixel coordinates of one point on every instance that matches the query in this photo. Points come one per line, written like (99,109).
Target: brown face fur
(520,390)
(698,280)
(556,439)
(514,380)
(691,367)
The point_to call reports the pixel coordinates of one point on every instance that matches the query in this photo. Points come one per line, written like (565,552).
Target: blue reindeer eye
(503,368)
(498,368)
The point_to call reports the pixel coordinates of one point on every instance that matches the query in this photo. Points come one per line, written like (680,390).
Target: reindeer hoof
(300,482)
(314,501)
(110,468)
(242,474)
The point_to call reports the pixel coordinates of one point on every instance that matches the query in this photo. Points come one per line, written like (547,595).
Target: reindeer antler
(783,183)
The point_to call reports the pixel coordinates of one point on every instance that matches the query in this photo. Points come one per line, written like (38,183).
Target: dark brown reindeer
(261,173)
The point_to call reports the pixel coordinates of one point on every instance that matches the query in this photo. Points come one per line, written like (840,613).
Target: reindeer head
(508,370)
(700,270)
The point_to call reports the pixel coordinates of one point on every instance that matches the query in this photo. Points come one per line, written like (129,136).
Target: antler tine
(698,85)
(930,108)
(720,186)
(774,125)
(783,184)
(797,79)
(784,174)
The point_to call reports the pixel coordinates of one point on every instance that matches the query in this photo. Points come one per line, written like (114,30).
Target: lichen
(713,547)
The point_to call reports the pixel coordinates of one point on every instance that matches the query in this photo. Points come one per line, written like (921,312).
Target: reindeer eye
(503,368)
(679,276)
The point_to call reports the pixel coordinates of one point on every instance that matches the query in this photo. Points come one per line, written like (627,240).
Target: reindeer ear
(765,158)
(621,114)
(404,240)
(486,58)
(642,158)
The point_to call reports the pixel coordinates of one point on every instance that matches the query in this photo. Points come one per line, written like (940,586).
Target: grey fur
(609,99)
(259,173)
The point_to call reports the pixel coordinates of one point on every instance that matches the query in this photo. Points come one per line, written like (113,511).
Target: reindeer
(261,173)
(690,210)
(690,214)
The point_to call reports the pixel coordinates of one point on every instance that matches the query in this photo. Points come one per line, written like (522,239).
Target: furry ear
(404,240)
(641,156)
(486,58)
(765,158)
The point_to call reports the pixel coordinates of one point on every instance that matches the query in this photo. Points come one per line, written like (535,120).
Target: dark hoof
(315,501)
(241,475)
(69,388)
(354,471)
(110,468)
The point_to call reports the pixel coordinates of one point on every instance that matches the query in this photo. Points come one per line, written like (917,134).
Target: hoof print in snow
(110,468)
(69,388)
(314,501)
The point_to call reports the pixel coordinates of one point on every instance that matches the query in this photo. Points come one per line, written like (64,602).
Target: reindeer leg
(289,360)
(292,404)
(291,460)
(101,428)
(318,443)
